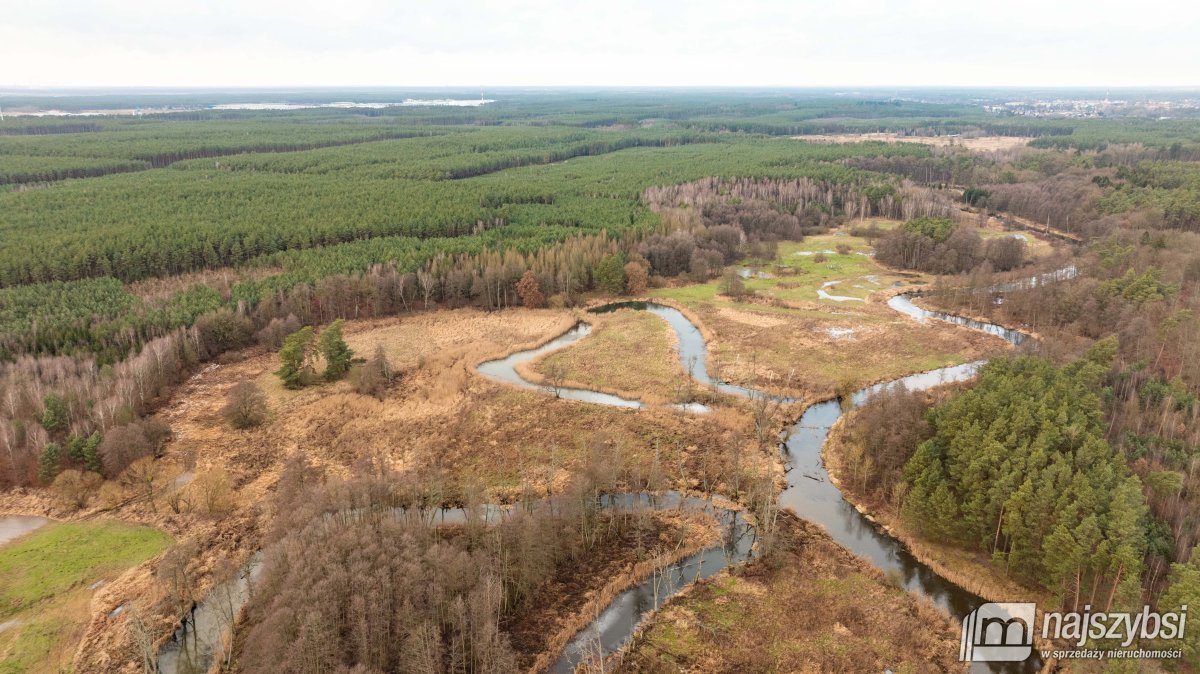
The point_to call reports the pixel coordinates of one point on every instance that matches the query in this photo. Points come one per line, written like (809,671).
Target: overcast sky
(46,43)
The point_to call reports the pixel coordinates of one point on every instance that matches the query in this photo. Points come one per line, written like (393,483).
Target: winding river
(810,493)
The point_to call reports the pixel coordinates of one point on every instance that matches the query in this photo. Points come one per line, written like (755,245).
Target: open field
(977,144)
(631,353)
(47,580)
(1035,246)
(810,606)
(824,345)
(803,270)
(442,411)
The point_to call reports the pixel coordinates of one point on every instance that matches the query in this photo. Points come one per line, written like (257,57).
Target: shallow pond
(14,526)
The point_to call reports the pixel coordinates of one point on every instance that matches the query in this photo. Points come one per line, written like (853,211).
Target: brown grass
(441,412)
(764,344)
(809,607)
(223,279)
(629,353)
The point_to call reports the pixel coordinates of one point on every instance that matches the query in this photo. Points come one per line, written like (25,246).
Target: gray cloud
(293,42)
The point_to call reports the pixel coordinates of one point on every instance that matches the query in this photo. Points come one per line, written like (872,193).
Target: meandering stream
(810,493)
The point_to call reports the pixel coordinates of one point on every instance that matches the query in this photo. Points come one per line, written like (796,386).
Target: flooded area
(15,526)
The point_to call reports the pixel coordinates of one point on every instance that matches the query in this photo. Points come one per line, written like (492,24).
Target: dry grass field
(810,606)
(785,332)
(630,353)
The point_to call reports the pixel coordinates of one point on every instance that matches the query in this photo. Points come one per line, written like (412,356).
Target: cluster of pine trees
(1018,466)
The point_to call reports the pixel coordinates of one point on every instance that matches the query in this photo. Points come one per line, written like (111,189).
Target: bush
(223,330)
(74,488)
(111,495)
(277,331)
(211,492)
(636,278)
(246,405)
(374,376)
(732,285)
(123,445)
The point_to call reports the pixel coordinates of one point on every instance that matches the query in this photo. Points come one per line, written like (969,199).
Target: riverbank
(806,605)
(782,335)
(511,441)
(968,570)
(602,362)
(573,599)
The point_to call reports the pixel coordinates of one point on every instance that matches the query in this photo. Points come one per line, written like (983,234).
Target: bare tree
(765,407)
(556,375)
(142,477)
(174,573)
(246,405)
(142,638)
(428,283)
(226,600)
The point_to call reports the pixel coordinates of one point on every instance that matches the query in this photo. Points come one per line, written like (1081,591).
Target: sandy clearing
(979,144)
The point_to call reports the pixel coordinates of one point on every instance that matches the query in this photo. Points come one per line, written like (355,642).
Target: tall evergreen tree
(294,368)
(1018,466)
(337,354)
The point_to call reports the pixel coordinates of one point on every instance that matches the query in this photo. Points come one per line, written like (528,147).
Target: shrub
(246,405)
(732,285)
(122,446)
(74,488)
(277,331)
(223,330)
(636,278)
(212,492)
(374,376)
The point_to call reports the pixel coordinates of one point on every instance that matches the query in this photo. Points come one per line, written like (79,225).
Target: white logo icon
(998,633)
